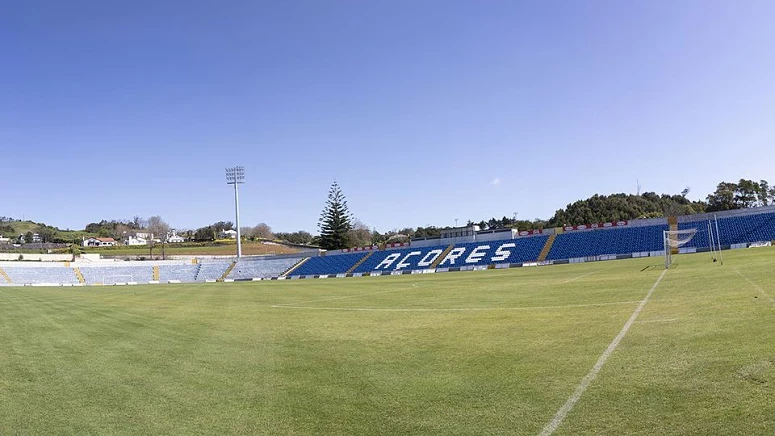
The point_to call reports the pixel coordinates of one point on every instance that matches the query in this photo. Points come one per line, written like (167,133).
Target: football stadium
(557,218)
(573,330)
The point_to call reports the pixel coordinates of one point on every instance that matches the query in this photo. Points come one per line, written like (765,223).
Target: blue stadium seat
(495,252)
(401,259)
(250,269)
(209,271)
(117,274)
(468,254)
(41,275)
(608,241)
(326,265)
(183,273)
(734,230)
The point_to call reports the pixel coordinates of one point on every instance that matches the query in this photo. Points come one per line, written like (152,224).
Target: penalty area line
(441,309)
(581,276)
(757,287)
(552,426)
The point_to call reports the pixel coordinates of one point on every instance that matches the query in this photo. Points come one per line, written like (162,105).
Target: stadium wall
(37,257)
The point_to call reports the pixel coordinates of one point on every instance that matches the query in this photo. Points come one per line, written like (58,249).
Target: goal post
(673,240)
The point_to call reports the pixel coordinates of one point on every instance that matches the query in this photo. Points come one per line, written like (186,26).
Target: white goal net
(675,239)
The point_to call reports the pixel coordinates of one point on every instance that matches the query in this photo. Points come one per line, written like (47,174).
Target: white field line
(581,276)
(552,426)
(452,309)
(757,287)
(344,297)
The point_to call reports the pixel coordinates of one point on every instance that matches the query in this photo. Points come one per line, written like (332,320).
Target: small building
(4,239)
(135,240)
(99,242)
(228,234)
(174,238)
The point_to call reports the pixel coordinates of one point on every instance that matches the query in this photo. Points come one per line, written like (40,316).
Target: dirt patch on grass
(759,372)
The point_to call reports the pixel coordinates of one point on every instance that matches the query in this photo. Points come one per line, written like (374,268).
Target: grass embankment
(249,248)
(490,352)
(22,227)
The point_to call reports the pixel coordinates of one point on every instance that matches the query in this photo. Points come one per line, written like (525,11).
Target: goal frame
(670,242)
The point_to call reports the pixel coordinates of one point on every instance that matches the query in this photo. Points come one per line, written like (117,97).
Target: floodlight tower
(235,176)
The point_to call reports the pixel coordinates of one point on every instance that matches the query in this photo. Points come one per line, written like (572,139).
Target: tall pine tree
(334,221)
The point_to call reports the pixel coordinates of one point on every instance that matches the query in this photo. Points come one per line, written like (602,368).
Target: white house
(173,238)
(135,240)
(4,239)
(35,238)
(228,234)
(99,242)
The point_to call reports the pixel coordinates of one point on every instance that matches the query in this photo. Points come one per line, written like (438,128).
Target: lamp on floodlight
(235,176)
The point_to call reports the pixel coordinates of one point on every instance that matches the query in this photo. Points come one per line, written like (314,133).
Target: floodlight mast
(235,176)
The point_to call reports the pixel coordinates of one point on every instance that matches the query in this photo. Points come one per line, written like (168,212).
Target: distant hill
(11,228)
(617,207)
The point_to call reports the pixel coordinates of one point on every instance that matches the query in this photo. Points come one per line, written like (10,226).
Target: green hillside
(13,228)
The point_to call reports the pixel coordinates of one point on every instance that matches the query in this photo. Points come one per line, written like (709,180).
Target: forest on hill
(617,207)
(601,208)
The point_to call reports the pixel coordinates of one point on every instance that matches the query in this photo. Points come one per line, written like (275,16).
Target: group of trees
(339,228)
(300,237)
(6,229)
(116,229)
(260,231)
(741,195)
(211,232)
(617,207)
(506,222)
(601,208)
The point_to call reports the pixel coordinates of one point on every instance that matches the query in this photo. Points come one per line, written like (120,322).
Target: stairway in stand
(198,270)
(4,275)
(79,275)
(357,264)
(441,257)
(294,267)
(228,271)
(547,247)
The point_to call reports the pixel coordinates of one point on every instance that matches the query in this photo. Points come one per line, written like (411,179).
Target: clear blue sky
(424,111)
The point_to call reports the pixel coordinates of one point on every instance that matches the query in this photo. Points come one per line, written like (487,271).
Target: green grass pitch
(487,352)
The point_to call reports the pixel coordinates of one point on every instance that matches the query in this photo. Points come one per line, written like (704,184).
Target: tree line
(338,228)
(601,208)
(741,195)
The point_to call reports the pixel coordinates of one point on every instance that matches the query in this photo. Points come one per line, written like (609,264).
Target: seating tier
(325,265)
(610,241)
(36,275)
(249,269)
